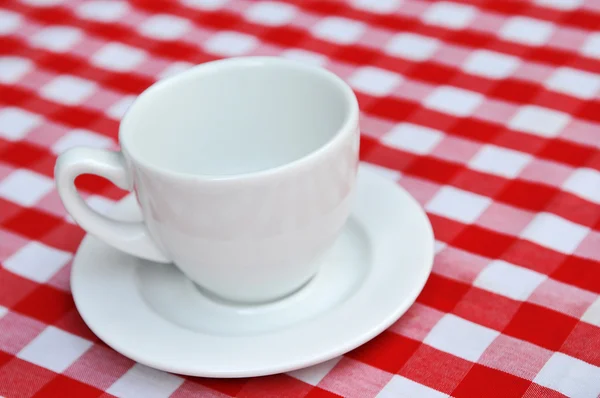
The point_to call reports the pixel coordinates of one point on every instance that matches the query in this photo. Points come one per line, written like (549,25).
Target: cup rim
(349,124)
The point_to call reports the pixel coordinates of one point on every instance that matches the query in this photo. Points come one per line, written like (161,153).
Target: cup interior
(236,117)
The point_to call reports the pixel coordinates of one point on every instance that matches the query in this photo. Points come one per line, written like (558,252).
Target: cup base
(221,300)
(177,299)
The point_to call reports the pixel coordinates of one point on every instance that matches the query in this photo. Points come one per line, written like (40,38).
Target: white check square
(574,82)
(229,43)
(43,3)
(69,90)
(528,31)
(374,81)
(174,69)
(56,38)
(491,64)
(338,30)
(54,349)
(25,187)
(118,109)
(570,376)
(165,27)
(16,123)
(209,5)
(390,174)
(37,261)
(458,205)
(592,314)
(100,204)
(9,22)
(314,374)
(555,233)
(413,138)
(118,57)
(584,183)
(591,47)
(12,69)
(454,101)
(560,4)
(103,10)
(439,246)
(142,381)
(499,161)
(80,137)
(400,387)
(307,57)
(271,13)
(412,46)
(460,337)
(449,15)
(377,6)
(540,121)
(509,280)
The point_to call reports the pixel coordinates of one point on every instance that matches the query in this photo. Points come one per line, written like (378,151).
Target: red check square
(261,387)
(32,223)
(60,384)
(540,326)
(448,373)
(46,304)
(482,381)
(388,351)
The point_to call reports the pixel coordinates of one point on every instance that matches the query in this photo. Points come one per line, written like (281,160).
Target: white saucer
(152,314)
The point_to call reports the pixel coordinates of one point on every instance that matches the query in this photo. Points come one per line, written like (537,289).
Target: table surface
(487,112)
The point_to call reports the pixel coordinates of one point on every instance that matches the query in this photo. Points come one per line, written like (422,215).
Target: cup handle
(130,237)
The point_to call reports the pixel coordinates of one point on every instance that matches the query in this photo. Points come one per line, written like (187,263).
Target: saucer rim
(403,304)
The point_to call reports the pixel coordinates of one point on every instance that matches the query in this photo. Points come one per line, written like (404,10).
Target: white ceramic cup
(243,169)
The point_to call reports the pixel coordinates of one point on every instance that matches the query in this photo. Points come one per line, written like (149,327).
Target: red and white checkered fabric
(488,112)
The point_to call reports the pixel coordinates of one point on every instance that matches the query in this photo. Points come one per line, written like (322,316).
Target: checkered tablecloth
(487,111)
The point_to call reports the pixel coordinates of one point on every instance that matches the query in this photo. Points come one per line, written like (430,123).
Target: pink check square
(11,243)
(412,8)
(515,356)
(422,190)
(506,219)
(487,22)
(495,111)
(102,100)
(561,297)
(451,55)
(18,331)
(456,149)
(533,72)
(87,47)
(590,246)
(413,91)
(47,134)
(417,322)
(546,172)
(36,79)
(5,171)
(582,132)
(459,265)
(354,378)
(100,366)
(568,38)
(374,126)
